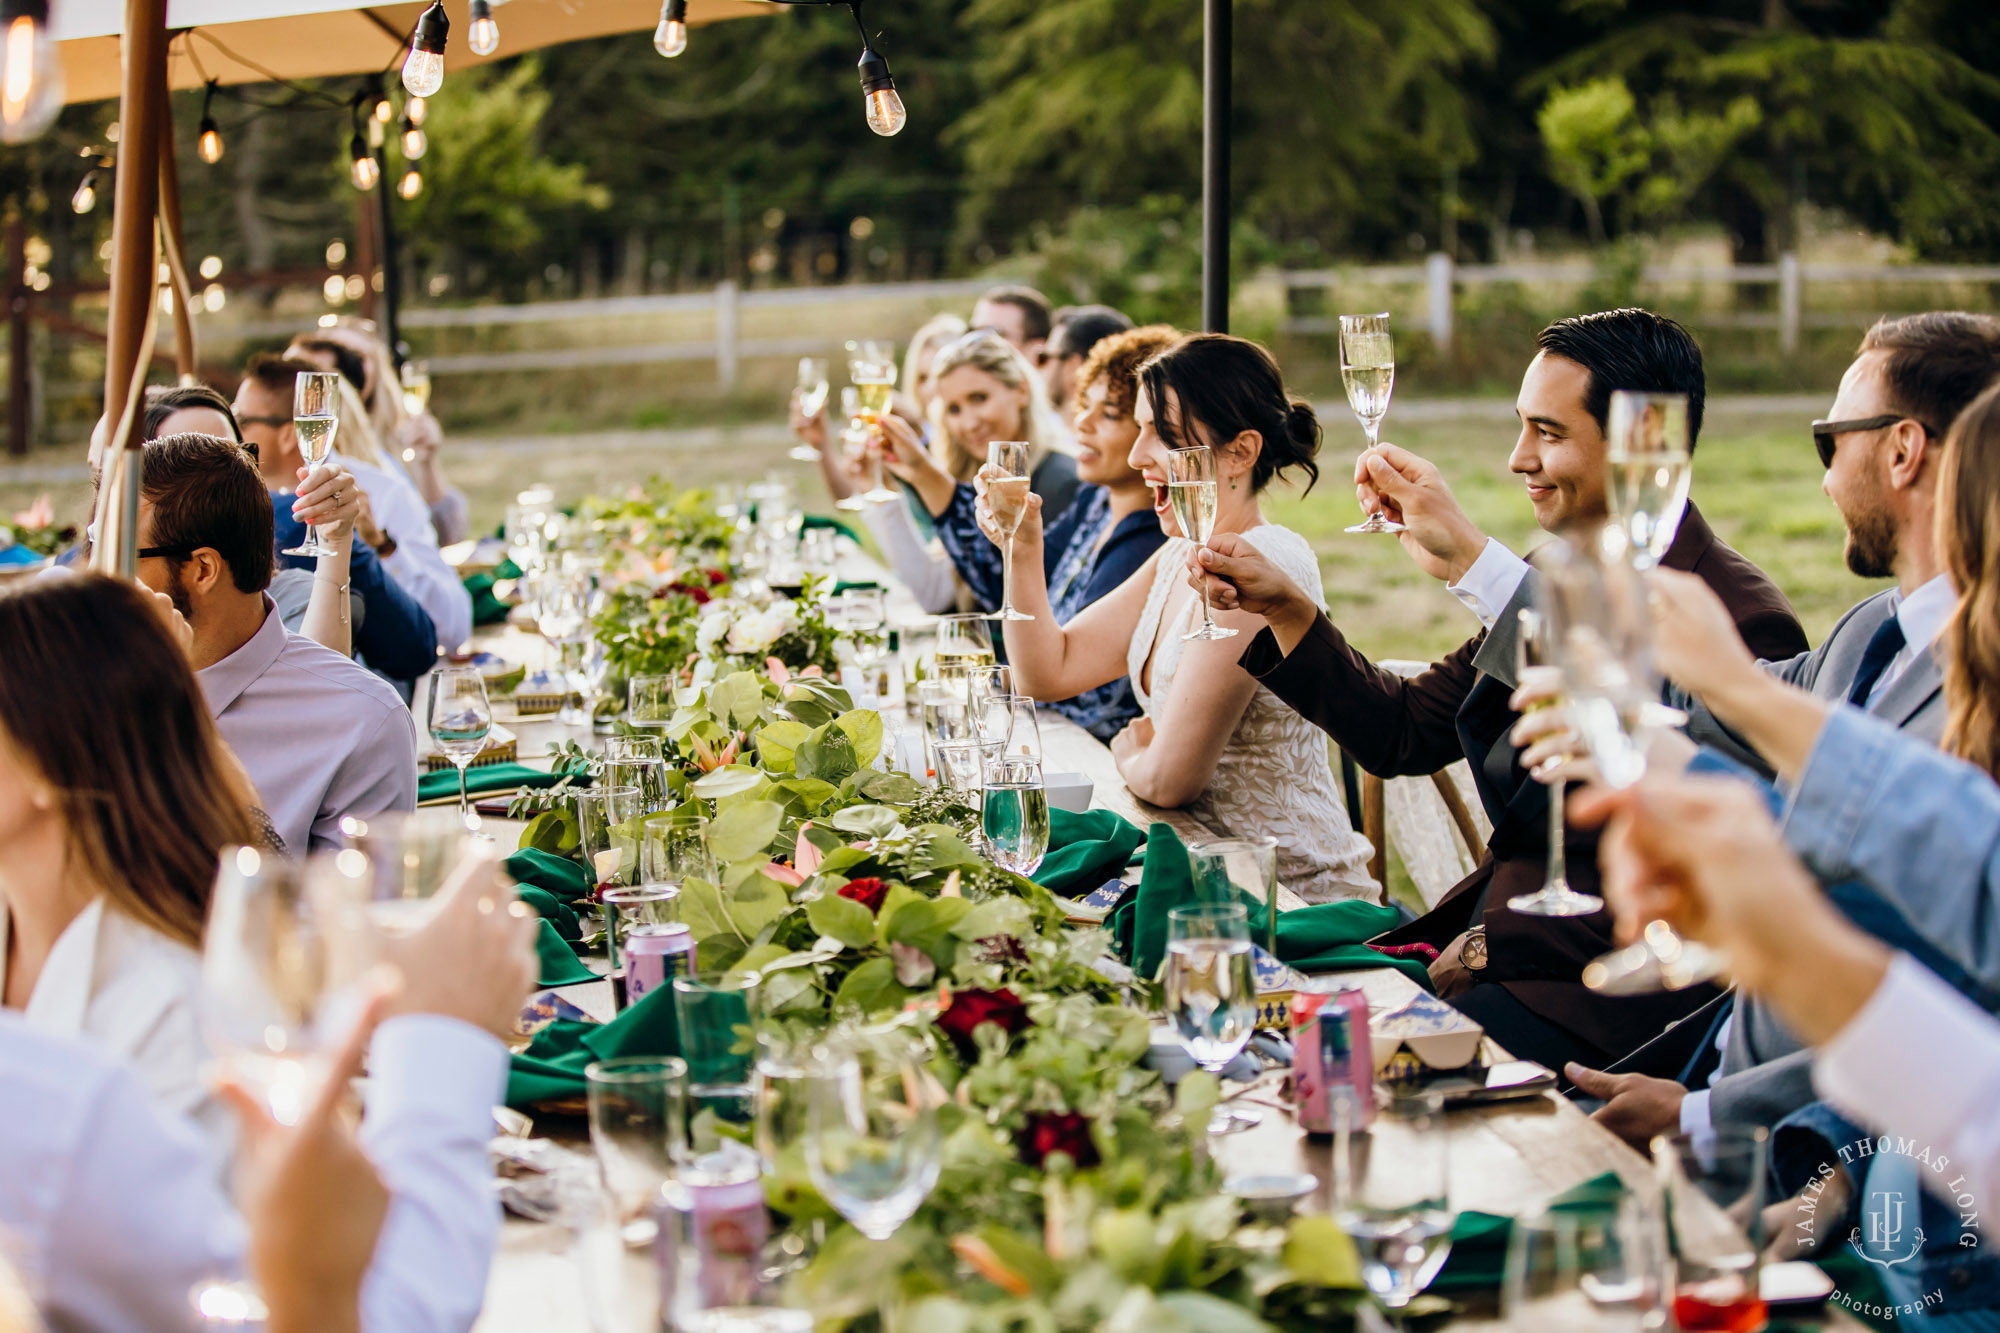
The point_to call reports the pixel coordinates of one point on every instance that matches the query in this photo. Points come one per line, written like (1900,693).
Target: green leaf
(1319,1252)
(843,919)
(894,788)
(743,832)
(996,916)
(863,726)
(871,988)
(946,849)
(796,987)
(552,831)
(811,791)
(701,907)
(769,955)
(870,821)
(899,894)
(755,904)
(718,953)
(726,781)
(926,924)
(1030,1260)
(827,754)
(1211,1314)
(1196,1095)
(777,741)
(738,697)
(841,859)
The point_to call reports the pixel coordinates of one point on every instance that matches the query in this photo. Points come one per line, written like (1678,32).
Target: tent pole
(392,290)
(1216,35)
(174,240)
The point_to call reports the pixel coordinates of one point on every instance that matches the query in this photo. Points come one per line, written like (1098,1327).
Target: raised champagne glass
(315,419)
(1368,370)
(854,434)
(812,398)
(874,381)
(1555,897)
(1649,468)
(1191,492)
(416,380)
(1008,497)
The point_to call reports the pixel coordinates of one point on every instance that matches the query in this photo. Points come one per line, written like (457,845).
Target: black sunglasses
(1825,433)
(263,421)
(165,552)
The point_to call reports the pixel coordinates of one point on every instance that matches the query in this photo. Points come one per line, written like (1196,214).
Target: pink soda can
(654,956)
(1333,1065)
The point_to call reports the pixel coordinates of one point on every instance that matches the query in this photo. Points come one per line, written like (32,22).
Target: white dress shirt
(112,1215)
(321,735)
(1491,582)
(918,561)
(1922,1062)
(131,992)
(417,564)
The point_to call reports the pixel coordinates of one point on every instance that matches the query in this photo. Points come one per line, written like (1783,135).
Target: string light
(671,37)
(423,72)
(366,171)
(886,115)
(85,197)
(415,145)
(484,36)
(384,112)
(209,144)
(414,110)
(31,81)
(411,185)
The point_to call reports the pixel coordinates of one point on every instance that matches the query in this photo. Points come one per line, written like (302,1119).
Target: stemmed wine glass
(316,420)
(562,614)
(1008,498)
(1392,1196)
(812,397)
(1555,897)
(1594,605)
(872,367)
(460,719)
(854,434)
(1212,992)
(1191,491)
(872,1144)
(1649,465)
(1368,369)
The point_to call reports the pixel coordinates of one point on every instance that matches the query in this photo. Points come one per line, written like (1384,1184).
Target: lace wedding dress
(1274,778)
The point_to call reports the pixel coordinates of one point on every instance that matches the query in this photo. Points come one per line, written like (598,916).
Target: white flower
(753,632)
(715,622)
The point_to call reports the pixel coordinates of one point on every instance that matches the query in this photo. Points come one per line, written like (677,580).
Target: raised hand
(1411,491)
(1028,530)
(474,959)
(329,499)
(1238,576)
(1695,643)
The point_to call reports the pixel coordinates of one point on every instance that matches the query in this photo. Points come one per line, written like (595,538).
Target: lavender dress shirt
(321,735)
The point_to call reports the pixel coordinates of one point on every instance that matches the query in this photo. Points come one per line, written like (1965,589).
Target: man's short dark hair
(205,491)
(163,400)
(1078,328)
(1034,308)
(1631,349)
(279,374)
(346,360)
(1938,362)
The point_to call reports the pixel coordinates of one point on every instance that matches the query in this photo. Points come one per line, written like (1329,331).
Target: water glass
(873,1149)
(633,748)
(1712,1191)
(1211,984)
(1582,1270)
(637,1125)
(1015,814)
(647,776)
(461,718)
(1392,1196)
(717,1012)
(1224,866)
(819,552)
(409,856)
(608,821)
(1024,733)
(650,701)
(644,906)
(676,848)
(962,765)
(779,1098)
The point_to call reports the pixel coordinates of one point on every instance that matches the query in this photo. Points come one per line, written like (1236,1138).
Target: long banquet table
(1509,1158)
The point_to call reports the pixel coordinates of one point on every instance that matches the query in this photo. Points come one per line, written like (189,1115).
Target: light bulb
(886,115)
(484,38)
(414,109)
(423,72)
(671,37)
(85,197)
(31,82)
(411,185)
(383,111)
(210,143)
(415,145)
(365,171)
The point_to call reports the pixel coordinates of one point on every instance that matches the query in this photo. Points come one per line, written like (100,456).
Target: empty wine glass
(873,1148)
(1392,1196)
(1007,496)
(675,848)
(1212,992)
(460,720)
(1224,867)
(812,390)
(1649,468)
(410,856)
(1555,897)
(1191,492)
(1368,370)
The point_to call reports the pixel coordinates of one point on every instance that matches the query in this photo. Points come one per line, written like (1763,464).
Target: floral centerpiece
(34,529)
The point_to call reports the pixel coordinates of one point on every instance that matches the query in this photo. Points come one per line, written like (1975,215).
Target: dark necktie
(1875,659)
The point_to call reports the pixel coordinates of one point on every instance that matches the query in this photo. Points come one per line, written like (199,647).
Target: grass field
(1756,479)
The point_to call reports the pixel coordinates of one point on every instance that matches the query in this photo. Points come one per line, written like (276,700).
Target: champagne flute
(460,719)
(1594,607)
(1555,897)
(1647,456)
(874,381)
(1212,992)
(1368,369)
(812,397)
(1024,733)
(1015,814)
(1008,498)
(316,420)
(416,380)
(872,1146)
(1392,1196)
(854,434)
(1191,491)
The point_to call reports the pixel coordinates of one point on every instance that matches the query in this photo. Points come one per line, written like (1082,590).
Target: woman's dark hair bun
(1227,386)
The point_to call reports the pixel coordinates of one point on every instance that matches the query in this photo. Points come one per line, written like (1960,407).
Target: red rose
(868,892)
(1058,1131)
(969,1008)
(716,578)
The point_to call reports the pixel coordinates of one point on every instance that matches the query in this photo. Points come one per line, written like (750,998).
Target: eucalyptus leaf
(827,754)
(945,850)
(895,788)
(726,781)
(871,988)
(783,990)
(1200,1312)
(552,831)
(1319,1252)
(926,924)
(737,698)
(744,832)
(842,918)
(776,742)
(870,821)
(811,791)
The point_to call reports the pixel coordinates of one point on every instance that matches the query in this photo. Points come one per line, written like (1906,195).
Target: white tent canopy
(251,41)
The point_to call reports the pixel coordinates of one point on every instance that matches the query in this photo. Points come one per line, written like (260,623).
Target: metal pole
(20,419)
(1217,19)
(392,288)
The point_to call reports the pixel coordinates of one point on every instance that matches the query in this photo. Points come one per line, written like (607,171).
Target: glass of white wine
(854,434)
(1008,498)
(1015,814)
(812,390)
(416,380)
(1555,897)
(316,419)
(1212,991)
(1368,369)
(874,382)
(1648,459)
(1191,491)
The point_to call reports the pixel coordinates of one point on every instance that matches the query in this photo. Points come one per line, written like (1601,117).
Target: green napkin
(1139,922)
(551,884)
(1479,1240)
(1085,850)
(1332,937)
(559,963)
(552,1066)
(486,608)
(484,781)
(840,525)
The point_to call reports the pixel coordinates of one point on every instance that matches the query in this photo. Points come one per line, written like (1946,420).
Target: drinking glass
(675,848)
(608,823)
(1191,491)
(1712,1190)
(562,617)
(1594,610)
(1015,814)
(460,720)
(1223,866)
(717,1013)
(992,708)
(858,610)
(642,907)
(1648,465)
(649,702)
(873,1149)
(641,748)
(1024,732)
(1368,370)
(962,765)
(780,1101)
(1008,497)
(854,434)
(409,856)
(648,775)
(945,718)
(812,397)
(1582,1270)
(819,552)
(1212,992)
(416,379)
(1555,897)
(874,377)
(316,419)
(1392,1196)
(637,1126)
(963,641)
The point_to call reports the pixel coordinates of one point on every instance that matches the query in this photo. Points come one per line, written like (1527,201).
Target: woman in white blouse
(116,796)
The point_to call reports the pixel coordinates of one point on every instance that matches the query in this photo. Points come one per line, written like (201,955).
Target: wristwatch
(1472,953)
(387,548)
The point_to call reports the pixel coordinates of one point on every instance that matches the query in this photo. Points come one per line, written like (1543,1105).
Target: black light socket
(432,29)
(874,70)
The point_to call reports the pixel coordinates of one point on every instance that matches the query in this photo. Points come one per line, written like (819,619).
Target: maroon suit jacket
(1395,726)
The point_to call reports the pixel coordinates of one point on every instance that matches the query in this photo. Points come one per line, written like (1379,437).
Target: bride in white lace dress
(1211,738)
